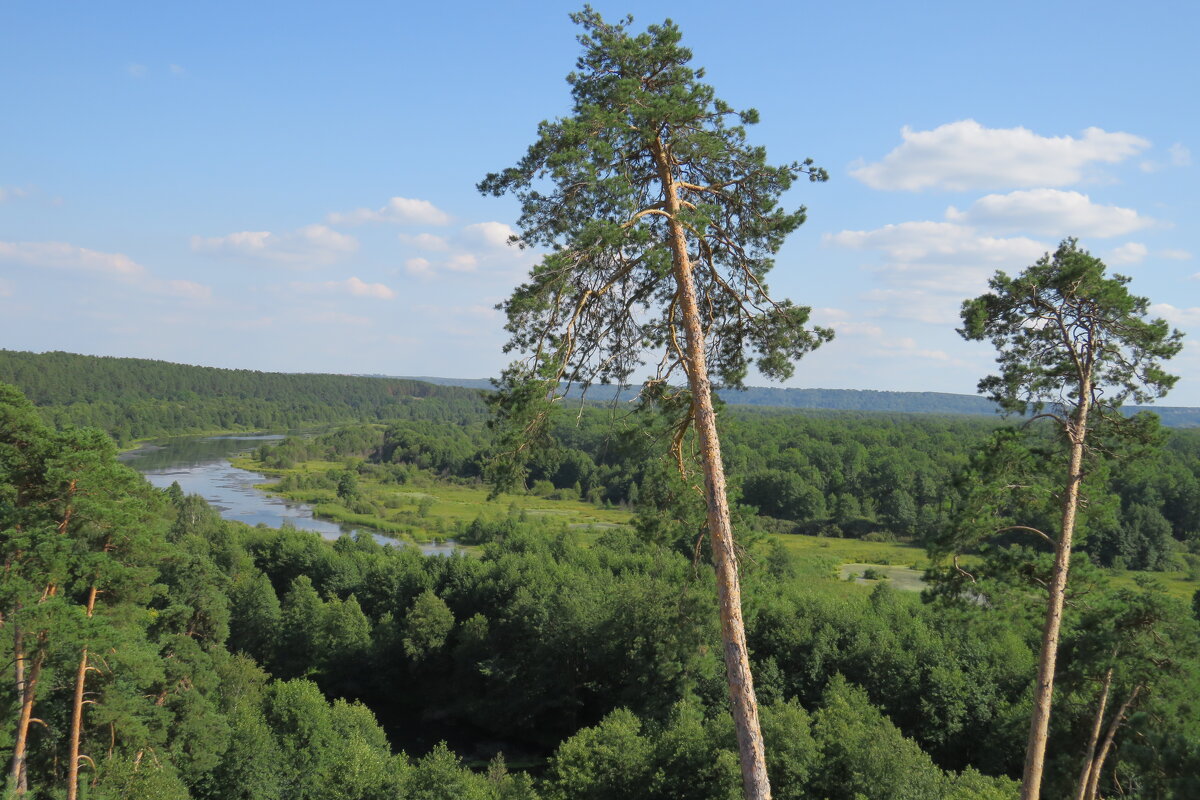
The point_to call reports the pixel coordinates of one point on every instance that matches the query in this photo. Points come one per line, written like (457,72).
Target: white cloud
(1180,155)
(1051,212)
(12,193)
(177,70)
(309,246)
(425,241)
(490,234)
(1176,316)
(461,262)
(353,286)
(1129,253)
(1174,255)
(399,210)
(939,242)
(136,70)
(930,267)
(965,155)
(113,266)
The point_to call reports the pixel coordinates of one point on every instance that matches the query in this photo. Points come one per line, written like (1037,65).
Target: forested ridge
(133,398)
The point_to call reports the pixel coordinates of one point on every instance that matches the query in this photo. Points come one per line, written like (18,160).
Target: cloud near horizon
(964,155)
(112,266)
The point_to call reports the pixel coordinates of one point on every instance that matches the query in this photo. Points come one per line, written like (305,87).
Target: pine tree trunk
(743,703)
(1094,779)
(77,711)
(1089,761)
(26,691)
(1039,724)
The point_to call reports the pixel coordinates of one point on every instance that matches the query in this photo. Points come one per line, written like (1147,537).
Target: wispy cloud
(420,267)
(1180,156)
(351,286)
(928,268)
(312,245)
(1176,316)
(425,241)
(12,193)
(398,210)
(965,155)
(874,340)
(1128,253)
(136,70)
(338,318)
(112,266)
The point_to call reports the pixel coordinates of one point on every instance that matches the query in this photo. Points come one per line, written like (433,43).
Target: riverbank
(425,508)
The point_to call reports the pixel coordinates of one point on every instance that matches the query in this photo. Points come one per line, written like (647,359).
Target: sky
(291,186)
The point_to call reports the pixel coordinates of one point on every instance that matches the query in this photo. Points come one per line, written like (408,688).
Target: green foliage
(598,651)
(1063,318)
(426,626)
(598,190)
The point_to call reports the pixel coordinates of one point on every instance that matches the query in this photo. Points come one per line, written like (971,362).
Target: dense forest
(172,654)
(871,476)
(180,655)
(846,400)
(888,476)
(133,398)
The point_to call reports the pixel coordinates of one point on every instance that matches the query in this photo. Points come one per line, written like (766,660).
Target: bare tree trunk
(26,691)
(743,703)
(1039,724)
(1094,779)
(1089,761)
(77,711)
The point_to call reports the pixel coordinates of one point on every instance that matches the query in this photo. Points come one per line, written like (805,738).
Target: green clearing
(429,509)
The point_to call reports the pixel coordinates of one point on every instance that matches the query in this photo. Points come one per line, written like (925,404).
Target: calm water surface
(201,466)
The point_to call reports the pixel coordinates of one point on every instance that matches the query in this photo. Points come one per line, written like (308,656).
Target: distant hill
(854,400)
(137,398)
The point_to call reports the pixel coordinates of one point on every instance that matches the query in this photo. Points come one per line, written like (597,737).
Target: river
(200,465)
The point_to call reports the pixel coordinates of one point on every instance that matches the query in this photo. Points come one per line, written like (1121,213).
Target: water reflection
(201,466)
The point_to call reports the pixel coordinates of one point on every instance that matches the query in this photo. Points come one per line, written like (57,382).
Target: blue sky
(291,186)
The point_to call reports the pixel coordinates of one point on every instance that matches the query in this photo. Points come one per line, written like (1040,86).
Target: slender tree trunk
(743,703)
(77,711)
(26,691)
(1094,779)
(1039,724)
(1089,761)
